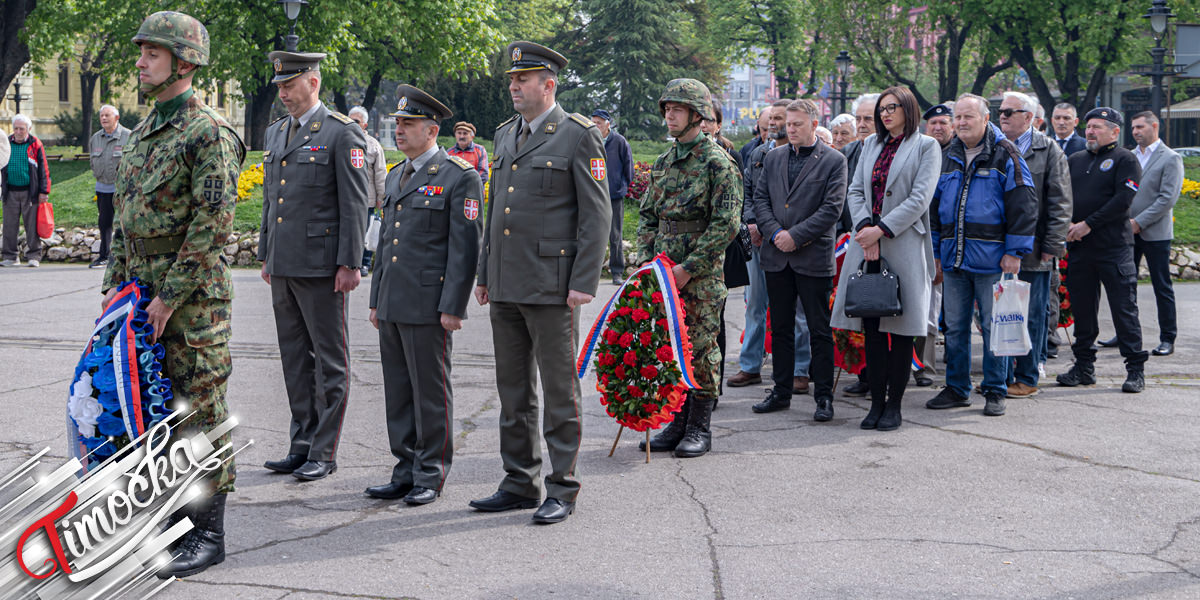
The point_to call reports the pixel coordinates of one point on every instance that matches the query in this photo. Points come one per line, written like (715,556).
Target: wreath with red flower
(1066,318)
(639,381)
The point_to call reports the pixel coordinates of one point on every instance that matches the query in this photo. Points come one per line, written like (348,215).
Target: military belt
(682,226)
(168,244)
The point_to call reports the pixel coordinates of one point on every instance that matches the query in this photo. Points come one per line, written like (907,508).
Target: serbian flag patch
(1131,184)
(599,171)
(357,158)
(471,209)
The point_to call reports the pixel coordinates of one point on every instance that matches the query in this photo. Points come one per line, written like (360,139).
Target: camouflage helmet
(182,34)
(691,93)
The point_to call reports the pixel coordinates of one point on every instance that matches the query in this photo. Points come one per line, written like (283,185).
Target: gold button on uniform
(514,167)
(562,250)
(549,163)
(426,203)
(282,182)
(397,223)
(395,241)
(278,219)
(510,189)
(312,158)
(393,259)
(441,278)
(506,231)
(283,164)
(507,210)
(281,200)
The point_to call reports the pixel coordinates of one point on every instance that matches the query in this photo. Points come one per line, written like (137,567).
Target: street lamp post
(843,67)
(291,8)
(17,96)
(1158,14)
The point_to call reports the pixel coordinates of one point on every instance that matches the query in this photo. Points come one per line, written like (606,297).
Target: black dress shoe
(1135,382)
(923,381)
(824,409)
(315,469)
(389,491)
(421,495)
(1052,352)
(553,510)
(1164,349)
(858,389)
(502,501)
(1109,343)
(289,463)
(773,402)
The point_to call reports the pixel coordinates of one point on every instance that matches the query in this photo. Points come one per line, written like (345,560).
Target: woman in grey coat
(889,197)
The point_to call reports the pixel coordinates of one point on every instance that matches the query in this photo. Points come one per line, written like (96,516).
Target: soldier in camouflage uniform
(176,188)
(691,211)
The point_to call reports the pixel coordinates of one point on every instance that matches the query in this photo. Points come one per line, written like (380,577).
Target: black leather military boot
(668,438)
(697,440)
(203,546)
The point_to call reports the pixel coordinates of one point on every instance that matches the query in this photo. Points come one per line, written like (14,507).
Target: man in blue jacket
(620,175)
(983,216)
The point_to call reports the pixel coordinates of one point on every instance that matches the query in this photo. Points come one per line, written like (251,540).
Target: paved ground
(1086,493)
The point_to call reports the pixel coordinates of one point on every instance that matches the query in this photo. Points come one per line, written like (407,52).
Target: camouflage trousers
(196,342)
(702,300)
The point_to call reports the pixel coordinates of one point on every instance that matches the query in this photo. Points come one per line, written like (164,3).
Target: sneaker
(947,398)
(994,405)
(99,262)
(858,388)
(10,263)
(1078,375)
(1020,390)
(33,264)
(1135,382)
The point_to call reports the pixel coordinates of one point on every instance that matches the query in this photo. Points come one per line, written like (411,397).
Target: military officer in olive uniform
(311,246)
(176,187)
(423,278)
(546,232)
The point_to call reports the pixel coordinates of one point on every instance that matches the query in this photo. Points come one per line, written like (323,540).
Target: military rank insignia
(430,190)
(471,209)
(599,171)
(357,158)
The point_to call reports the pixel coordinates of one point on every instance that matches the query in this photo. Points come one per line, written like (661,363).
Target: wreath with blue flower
(118,391)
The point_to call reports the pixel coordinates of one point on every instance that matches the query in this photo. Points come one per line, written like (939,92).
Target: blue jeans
(1025,368)
(961,290)
(755,335)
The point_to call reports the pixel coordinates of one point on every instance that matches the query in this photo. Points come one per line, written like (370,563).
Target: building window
(64,88)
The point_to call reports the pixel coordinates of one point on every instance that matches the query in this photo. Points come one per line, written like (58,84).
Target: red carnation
(664,354)
(657,297)
(649,371)
(635,294)
(624,310)
(645,338)
(604,380)
(625,340)
(631,358)
(635,391)
(661,323)
(650,407)
(611,336)
(640,315)
(607,359)
(619,372)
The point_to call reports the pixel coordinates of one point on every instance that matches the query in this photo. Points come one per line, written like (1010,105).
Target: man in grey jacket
(106,148)
(797,201)
(1052,185)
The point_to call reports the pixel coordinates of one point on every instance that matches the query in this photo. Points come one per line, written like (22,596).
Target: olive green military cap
(415,103)
(528,56)
(289,65)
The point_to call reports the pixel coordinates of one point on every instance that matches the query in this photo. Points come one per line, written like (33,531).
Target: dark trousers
(21,207)
(367,254)
(1087,269)
(721,347)
(419,401)
(783,288)
(1158,261)
(105,207)
(616,255)
(889,358)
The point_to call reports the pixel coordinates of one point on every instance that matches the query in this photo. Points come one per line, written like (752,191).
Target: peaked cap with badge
(416,103)
(289,65)
(528,56)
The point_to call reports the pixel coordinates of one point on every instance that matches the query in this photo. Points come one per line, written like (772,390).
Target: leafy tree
(77,133)
(777,30)
(14,47)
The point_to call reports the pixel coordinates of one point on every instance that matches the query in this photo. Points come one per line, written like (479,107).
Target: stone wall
(83,245)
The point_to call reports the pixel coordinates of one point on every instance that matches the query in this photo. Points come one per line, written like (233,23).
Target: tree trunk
(258,113)
(985,74)
(339,101)
(14,52)
(87,90)
(372,90)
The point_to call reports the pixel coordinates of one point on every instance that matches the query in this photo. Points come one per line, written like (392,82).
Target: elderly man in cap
(313,222)
(465,148)
(938,124)
(548,214)
(419,295)
(620,175)
(1104,180)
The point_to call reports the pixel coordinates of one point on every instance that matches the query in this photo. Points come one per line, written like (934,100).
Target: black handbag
(871,295)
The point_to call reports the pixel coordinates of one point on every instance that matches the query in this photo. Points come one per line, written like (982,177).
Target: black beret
(1111,115)
(938,110)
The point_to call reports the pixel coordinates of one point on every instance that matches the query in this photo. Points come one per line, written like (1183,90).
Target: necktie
(293,129)
(1062,144)
(407,174)
(524,135)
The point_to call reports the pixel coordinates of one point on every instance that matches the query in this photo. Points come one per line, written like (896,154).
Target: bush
(70,123)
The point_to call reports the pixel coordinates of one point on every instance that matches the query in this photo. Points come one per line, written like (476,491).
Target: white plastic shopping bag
(1010,308)
(371,240)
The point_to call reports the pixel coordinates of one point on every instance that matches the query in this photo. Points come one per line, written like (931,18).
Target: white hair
(980,102)
(1027,103)
(360,111)
(825,135)
(865,98)
(1041,112)
(116,113)
(842,119)
(20,118)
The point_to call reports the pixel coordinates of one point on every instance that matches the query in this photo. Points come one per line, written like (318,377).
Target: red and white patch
(357,158)
(599,171)
(471,209)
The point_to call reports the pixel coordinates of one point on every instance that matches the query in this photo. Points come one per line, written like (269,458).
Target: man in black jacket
(1104,180)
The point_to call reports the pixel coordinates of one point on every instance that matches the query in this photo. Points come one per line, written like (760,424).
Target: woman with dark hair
(889,198)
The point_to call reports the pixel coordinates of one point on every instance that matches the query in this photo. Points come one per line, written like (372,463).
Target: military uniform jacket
(429,242)
(314,197)
(548,212)
(700,184)
(106,151)
(178,179)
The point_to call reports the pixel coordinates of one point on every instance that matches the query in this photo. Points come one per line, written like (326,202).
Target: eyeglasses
(889,109)
(1008,112)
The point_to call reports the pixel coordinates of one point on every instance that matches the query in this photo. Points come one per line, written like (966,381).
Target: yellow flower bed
(249,181)
(1191,189)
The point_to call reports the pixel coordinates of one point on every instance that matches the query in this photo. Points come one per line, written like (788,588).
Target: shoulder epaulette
(582,120)
(466,166)
(277,120)
(510,120)
(340,117)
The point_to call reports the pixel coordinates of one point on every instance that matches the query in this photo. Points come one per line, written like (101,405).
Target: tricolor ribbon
(673,305)
(917,365)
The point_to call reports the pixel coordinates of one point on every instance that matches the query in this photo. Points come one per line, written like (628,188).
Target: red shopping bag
(45,223)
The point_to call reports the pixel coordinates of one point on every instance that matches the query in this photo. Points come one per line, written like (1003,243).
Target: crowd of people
(948,213)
